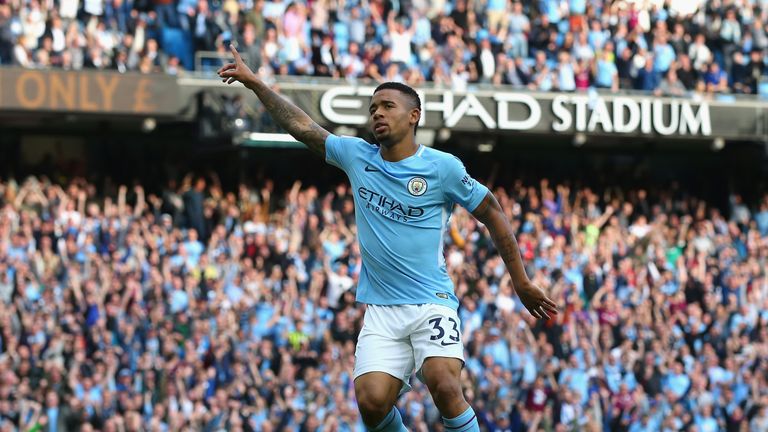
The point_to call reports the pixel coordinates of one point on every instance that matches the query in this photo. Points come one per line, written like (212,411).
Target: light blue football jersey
(402,211)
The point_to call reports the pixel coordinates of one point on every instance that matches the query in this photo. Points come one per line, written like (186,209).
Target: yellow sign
(87,91)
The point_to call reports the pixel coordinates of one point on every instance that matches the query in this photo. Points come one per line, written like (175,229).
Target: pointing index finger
(238,59)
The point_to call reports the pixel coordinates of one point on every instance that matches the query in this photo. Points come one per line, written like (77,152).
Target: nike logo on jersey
(446,344)
(369,168)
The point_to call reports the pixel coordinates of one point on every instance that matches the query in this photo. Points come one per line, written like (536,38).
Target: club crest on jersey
(417,186)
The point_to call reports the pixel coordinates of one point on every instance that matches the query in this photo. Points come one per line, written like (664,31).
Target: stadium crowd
(197,308)
(671,47)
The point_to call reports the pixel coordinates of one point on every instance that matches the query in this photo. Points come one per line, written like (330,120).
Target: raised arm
(290,117)
(534,299)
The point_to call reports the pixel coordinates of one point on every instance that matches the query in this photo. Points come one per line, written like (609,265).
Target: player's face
(392,116)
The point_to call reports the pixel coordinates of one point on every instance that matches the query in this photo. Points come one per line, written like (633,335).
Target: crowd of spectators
(671,47)
(197,308)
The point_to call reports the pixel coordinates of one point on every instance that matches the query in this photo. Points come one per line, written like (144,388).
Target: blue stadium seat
(177,42)
(762,88)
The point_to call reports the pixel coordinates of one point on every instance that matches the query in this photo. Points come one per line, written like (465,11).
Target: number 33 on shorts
(397,339)
(445,335)
(438,334)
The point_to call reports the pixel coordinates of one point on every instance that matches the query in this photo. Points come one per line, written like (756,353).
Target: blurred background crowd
(192,307)
(670,47)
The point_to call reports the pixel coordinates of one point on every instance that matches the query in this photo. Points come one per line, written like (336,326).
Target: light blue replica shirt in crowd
(402,211)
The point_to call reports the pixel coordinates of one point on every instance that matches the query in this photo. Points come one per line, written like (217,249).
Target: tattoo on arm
(507,246)
(489,212)
(291,118)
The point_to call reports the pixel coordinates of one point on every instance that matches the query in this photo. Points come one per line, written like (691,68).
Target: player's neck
(397,152)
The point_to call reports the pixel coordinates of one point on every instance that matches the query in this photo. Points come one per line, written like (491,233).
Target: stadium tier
(665,47)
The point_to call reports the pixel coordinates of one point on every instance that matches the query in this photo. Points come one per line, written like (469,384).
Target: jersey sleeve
(339,150)
(459,187)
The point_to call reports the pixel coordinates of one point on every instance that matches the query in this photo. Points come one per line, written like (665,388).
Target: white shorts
(397,339)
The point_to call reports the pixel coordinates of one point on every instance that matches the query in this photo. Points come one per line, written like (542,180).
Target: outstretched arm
(290,117)
(489,212)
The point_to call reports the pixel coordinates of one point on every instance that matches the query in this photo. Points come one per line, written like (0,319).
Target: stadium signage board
(87,92)
(531,112)
(627,115)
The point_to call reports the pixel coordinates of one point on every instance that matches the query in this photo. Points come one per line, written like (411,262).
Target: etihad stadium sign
(625,115)
(529,112)
(501,110)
